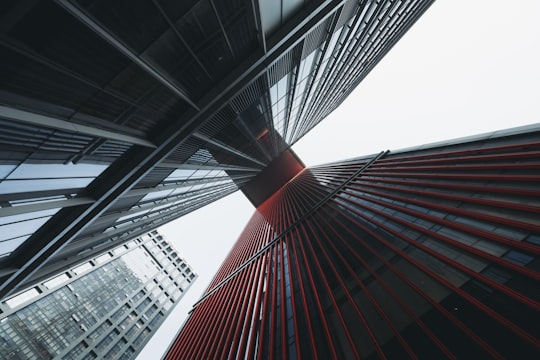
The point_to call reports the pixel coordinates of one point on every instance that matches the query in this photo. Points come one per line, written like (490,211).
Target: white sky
(466,67)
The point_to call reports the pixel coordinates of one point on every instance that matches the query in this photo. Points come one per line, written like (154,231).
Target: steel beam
(181,38)
(227,148)
(189,166)
(256,9)
(87,20)
(39,194)
(24,209)
(241,125)
(55,123)
(229,46)
(137,162)
(181,183)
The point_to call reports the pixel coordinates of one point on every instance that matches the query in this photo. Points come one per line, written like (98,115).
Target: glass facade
(430,252)
(165,108)
(32,178)
(106,308)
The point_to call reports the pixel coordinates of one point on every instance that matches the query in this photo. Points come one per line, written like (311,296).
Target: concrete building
(107,307)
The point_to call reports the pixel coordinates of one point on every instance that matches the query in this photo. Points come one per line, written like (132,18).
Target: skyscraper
(118,117)
(101,106)
(108,307)
(428,252)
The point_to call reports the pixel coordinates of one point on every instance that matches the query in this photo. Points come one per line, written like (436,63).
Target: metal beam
(84,18)
(23,209)
(134,230)
(241,125)
(55,123)
(256,9)
(181,38)
(150,204)
(5,271)
(39,194)
(137,162)
(182,183)
(222,28)
(189,166)
(227,148)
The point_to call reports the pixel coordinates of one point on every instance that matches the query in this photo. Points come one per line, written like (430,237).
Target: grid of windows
(108,310)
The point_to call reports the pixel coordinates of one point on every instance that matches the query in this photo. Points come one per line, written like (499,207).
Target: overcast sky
(466,67)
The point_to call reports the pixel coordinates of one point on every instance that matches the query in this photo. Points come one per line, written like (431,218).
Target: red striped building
(430,252)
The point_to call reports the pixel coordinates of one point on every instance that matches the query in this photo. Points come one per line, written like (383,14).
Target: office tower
(118,117)
(428,252)
(107,307)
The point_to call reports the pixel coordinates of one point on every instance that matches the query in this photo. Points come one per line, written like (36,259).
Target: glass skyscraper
(118,117)
(106,308)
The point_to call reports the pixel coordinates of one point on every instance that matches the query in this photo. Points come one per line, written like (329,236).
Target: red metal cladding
(330,293)
(419,291)
(507,323)
(423,254)
(318,303)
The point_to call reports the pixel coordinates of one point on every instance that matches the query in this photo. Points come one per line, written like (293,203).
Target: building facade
(118,117)
(430,252)
(105,308)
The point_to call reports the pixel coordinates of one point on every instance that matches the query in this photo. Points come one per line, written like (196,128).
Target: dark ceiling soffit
(181,38)
(87,20)
(124,173)
(223,32)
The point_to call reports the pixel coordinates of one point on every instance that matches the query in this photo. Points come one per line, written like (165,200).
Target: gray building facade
(107,307)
